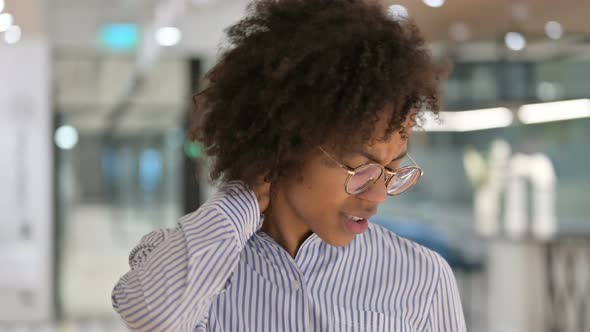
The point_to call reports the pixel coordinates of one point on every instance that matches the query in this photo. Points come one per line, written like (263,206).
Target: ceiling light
(554,111)
(168,36)
(554,30)
(469,120)
(398,12)
(66,137)
(515,41)
(434,3)
(13,34)
(5,21)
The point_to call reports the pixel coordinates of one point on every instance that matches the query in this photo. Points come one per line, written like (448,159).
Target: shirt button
(248,229)
(295,285)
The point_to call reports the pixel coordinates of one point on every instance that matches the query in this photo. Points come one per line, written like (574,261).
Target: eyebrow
(371,157)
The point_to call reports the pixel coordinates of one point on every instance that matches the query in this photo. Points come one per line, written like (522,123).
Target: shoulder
(423,274)
(406,253)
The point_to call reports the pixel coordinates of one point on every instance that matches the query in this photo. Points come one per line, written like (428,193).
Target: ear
(410,120)
(262,190)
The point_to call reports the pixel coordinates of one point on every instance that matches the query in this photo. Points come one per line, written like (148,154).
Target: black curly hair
(297,74)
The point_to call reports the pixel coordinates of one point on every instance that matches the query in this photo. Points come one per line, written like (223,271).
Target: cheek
(320,193)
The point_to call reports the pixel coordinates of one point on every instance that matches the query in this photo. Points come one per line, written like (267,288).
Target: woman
(307,117)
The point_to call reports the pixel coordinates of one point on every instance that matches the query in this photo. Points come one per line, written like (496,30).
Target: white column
(517,289)
(25,173)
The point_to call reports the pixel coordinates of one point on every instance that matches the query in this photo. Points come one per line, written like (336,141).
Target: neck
(281,224)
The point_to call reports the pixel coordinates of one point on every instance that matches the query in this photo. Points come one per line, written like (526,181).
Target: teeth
(356,218)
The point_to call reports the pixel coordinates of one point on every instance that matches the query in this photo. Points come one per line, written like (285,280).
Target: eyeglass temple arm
(415,163)
(346,168)
(412,159)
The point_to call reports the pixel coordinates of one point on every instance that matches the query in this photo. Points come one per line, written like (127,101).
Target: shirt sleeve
(446,312)
(175,274)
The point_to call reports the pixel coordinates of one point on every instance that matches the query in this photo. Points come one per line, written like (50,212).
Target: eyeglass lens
(367,175)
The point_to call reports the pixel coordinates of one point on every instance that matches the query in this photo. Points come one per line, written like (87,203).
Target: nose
(377,192)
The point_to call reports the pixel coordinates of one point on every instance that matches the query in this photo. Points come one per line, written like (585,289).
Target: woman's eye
(356,162)
(393,166)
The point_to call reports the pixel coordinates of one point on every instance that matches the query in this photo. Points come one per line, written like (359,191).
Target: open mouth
(355,224)
(354,218)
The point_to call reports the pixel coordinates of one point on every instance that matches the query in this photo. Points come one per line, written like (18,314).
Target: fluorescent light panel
(469,120)
(554,111)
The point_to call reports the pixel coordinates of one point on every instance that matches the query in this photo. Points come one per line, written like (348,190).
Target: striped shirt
(218,272)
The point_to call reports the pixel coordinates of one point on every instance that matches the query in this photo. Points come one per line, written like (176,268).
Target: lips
(357,217)
(355,224)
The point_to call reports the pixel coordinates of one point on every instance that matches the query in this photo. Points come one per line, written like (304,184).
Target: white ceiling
(85,75)
(487,19)
(73,23)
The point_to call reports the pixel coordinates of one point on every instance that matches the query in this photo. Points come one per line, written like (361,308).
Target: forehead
(384,151)
(383,142)
(379,150)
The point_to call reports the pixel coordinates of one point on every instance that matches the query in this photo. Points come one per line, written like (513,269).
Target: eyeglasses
(397,181)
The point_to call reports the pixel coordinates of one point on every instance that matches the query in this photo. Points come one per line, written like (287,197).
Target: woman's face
(316,201)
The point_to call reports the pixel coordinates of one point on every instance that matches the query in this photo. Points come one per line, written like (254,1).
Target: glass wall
(124,175)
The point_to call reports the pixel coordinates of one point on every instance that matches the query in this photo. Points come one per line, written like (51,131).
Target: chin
(337,241)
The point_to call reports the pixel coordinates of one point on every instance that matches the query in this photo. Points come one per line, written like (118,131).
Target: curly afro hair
(297,74)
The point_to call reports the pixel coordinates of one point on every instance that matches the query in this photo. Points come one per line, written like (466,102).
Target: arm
(446,312)
(176,274)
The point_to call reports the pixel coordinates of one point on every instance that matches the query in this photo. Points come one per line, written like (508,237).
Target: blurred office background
(94,99)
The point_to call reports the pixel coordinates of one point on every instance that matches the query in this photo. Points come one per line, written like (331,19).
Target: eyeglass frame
(384,170)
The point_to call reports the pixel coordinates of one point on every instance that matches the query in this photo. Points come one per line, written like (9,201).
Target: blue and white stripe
(217,272)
